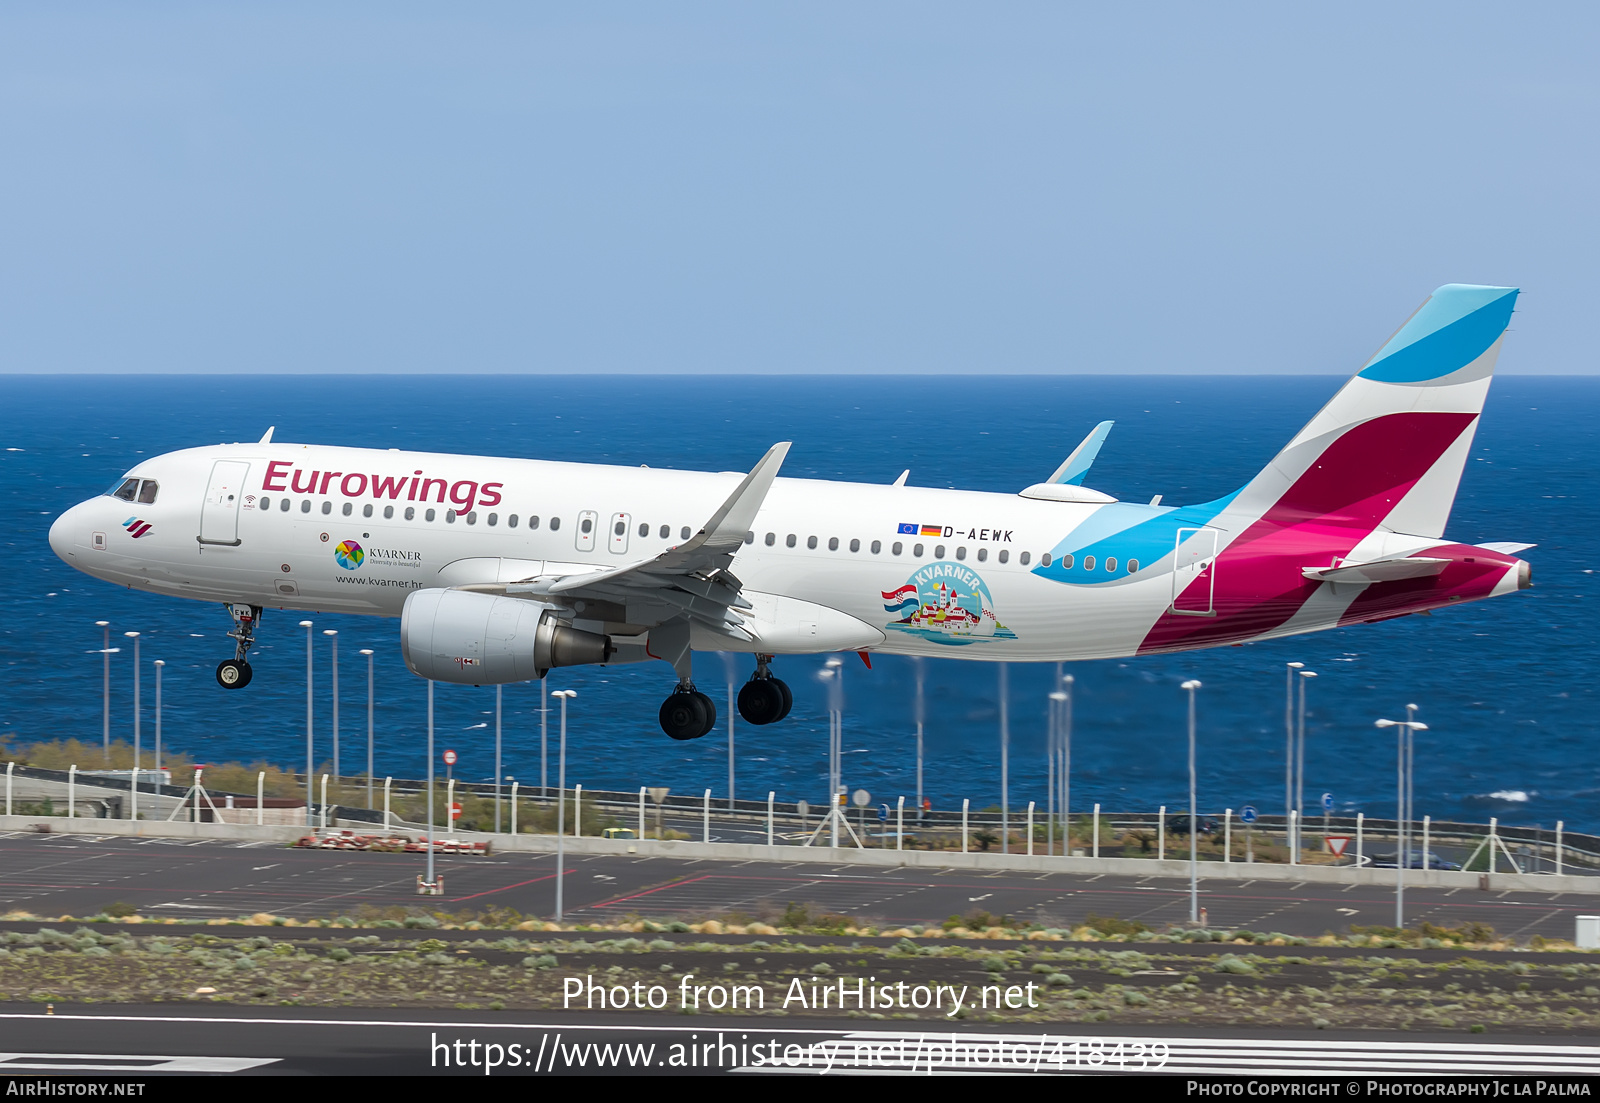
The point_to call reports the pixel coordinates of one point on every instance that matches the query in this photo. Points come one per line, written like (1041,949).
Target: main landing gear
(688,713)
(235,673)
(764,699)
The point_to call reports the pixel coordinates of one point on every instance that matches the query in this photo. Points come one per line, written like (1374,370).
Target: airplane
(502,569)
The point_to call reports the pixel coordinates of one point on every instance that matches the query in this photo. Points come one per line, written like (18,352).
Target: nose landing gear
(764,699)
(235,673)
(688,713)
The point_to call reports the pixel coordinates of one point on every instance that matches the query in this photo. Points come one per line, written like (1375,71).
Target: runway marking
(503,888)
(113,1062)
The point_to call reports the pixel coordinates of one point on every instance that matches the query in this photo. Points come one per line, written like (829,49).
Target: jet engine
(479,639)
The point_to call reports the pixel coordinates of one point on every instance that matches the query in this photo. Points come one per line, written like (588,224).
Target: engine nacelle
(479,639)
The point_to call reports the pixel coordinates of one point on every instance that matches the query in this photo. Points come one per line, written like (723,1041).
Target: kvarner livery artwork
(500,569)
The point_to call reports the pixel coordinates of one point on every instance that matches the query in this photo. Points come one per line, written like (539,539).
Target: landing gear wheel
(788,698)
(233,674)
(764,700)
(687,714)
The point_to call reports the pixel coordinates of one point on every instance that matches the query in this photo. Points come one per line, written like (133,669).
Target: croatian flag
(904,600)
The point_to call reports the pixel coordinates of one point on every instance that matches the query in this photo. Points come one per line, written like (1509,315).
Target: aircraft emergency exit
(500,569)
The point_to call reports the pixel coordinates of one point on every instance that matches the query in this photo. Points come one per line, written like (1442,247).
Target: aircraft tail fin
(1388,449)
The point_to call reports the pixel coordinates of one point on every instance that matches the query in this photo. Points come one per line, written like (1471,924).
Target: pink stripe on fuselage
(1344,495)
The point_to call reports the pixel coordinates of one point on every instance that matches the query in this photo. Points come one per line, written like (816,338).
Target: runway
(360,1041)
(55,875)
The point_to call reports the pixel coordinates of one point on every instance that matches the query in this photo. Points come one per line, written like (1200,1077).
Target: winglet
(904,475)
(266,438)
(726,528)
(1076,466)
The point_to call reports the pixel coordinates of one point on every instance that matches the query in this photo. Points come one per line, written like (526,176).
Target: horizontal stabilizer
(1076,466)
(1377,570)
(1505,547)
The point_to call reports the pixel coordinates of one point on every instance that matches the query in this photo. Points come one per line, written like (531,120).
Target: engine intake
(479,639)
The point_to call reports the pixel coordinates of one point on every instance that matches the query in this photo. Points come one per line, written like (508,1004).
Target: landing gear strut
(688,713)
(235,673)
(764,699)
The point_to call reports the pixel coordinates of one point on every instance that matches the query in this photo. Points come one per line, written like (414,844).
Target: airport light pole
(333,638)
(561,797)
(1288,755)
(920,717)
(106,652)
(430,784)
(1300,765)
(367,651)
(311,820)
(1064,761)
(1194,815)
(498,701)
(159,663)
(834,671)
(544,740)
(1402,854)
(1005,760)
(133,789)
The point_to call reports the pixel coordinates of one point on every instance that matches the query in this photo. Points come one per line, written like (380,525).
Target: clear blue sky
(808,187)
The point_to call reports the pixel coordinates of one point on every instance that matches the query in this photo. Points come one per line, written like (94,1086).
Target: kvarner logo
(946,603)
(348,555)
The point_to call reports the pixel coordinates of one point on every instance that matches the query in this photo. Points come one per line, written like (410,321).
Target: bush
(1111,925)
(119,910)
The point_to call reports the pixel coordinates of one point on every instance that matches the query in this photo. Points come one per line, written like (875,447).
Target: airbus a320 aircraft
(500,569)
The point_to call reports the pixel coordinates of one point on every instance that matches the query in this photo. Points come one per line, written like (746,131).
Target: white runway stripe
(124,1062)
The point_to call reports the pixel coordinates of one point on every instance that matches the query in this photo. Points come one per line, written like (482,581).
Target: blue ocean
(1505,685)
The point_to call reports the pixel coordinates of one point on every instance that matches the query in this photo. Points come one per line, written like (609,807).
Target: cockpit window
(128,491)
(147,492)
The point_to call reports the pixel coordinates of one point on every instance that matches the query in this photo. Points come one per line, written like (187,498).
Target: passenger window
(584,526)
(472,518)
(811,542)
(983,554)
(449,516)
(1044,561)
(772,538)
(411,513)
(1133,566)
(916,551)
(283,506)
(684,533)
(348,509)
(1005,556)
(961,553)
(555,524)
(877,546)
(305,505)
(1024,559)
(388,512)
(621,527)
(512,520)
(266,504)
(833,543)
(665,532)
(533,521)
(366,510)
(644,529)
(749,538)
(147,492)
(855,545)
(789,540)
(128,491)
(327,508)
(430,515)
(1066,562)
(894,549)
(1111,564)
(938,551)
(494,519)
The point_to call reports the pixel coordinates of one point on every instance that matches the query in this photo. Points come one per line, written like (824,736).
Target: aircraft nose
(62,531)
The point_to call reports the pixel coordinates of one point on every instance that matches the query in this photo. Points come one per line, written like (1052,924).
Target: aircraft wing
(692,579)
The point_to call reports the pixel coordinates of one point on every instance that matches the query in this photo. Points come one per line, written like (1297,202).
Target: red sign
(455,811)
(1337,844)
(449,758)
